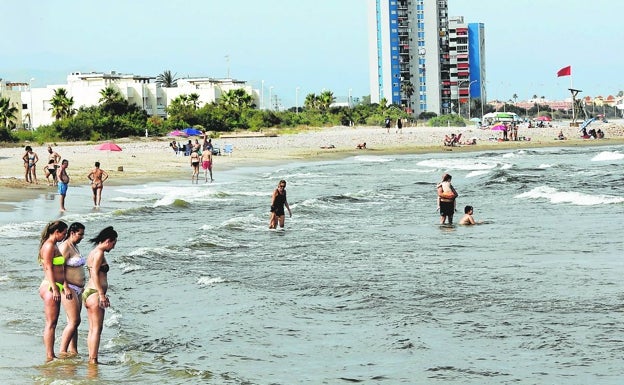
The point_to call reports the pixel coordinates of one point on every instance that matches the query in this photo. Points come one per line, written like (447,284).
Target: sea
(363,285)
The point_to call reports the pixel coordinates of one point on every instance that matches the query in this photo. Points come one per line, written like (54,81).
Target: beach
(152,159)
(363,284)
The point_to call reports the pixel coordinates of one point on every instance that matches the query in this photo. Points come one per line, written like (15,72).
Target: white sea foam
(209,281)
(458,164)
(607,155)
(473,174)
(375,159)
(572,197)
(22,230)
(544,165)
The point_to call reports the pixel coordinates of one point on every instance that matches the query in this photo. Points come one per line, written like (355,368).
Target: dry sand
(150,159)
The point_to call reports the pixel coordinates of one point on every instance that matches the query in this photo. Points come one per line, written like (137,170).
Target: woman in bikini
(195,165)
(97,176)
(94,296)
(75,281)
(30,165)
(53,284)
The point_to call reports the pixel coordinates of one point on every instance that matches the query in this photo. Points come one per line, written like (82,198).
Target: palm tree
(311,102)
(167,80)
(109,95)
(7,113)
(193,99)
(237,99)
(61,104)
(407,88)
(326,98)
(515,98)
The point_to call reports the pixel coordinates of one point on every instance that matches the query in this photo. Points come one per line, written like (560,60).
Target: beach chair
(227,149)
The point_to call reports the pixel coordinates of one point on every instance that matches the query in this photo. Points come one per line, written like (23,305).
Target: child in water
(467,218)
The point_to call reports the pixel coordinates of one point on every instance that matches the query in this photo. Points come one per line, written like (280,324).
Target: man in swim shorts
(206,163)
(63,181)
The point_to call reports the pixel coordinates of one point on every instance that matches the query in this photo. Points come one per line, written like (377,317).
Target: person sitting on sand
(449,140)
(561,136)
(361,146)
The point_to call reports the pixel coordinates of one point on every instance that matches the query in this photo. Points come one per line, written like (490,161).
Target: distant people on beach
(206,163)
(63,181)
(514,131)
(560,136)
(174,147)
(361,146)
(468,218)
(53,284)
(387,123)
(97,176)
(399,125)
(75,278)
(195,165)
(446,199)
(53,163)
(278,202)
(94,295)
(30,159)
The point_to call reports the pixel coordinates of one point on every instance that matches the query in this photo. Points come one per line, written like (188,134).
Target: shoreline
(145,160)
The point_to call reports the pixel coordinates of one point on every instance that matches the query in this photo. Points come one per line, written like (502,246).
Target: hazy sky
(310,44)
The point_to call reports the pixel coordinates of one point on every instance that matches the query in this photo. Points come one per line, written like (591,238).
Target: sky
(312,45)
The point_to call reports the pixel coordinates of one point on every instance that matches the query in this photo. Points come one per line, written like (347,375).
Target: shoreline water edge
(151,159)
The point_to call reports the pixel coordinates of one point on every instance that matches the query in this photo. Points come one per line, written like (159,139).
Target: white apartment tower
(409,54)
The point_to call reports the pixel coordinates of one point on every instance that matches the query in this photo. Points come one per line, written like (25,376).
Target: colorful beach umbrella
(108,146)
(190,131)
(499,127)
(544,118)
(176,133)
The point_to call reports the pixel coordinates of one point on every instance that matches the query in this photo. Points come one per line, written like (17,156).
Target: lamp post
(459,96)
(469,85)
(349,100)
(31,104)
(297,100)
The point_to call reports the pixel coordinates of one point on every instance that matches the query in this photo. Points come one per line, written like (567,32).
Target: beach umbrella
(475,119)
(544,118)
(108,146)
(190,131)
(499,127)
(176,133)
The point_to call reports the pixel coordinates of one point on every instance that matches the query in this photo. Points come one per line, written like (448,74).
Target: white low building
(35,109)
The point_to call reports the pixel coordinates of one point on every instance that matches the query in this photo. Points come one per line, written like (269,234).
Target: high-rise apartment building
(417,61)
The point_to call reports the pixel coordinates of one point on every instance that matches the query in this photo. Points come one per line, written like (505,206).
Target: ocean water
(363,286)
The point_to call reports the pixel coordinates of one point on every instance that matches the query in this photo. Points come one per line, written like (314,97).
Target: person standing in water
(446,199)
(53,284)
(206,163)
(94,296)
(63,181)
(75,280)
(97,176)
(278,201)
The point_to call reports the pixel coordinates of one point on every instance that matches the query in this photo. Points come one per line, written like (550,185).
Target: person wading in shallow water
(278,202)
(446,199)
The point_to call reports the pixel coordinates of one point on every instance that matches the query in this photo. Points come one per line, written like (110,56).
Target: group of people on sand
(65,284)
(446,203)
(398,125)
(56,174)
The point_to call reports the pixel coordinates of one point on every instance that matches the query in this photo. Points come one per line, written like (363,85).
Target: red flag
(565,71)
